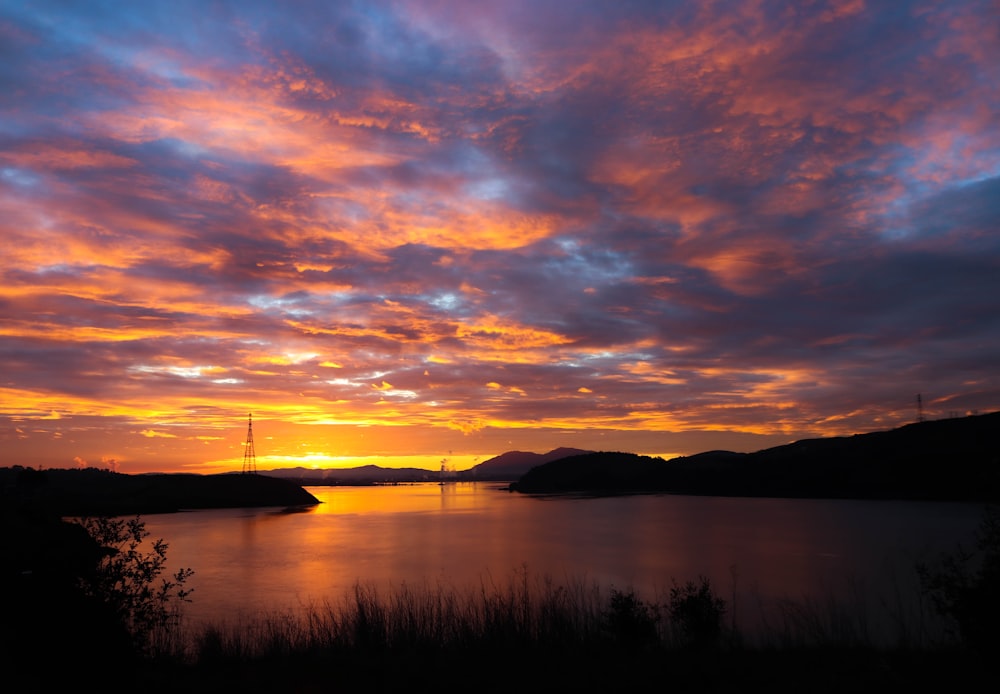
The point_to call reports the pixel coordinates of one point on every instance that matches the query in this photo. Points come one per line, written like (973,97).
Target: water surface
(464,535)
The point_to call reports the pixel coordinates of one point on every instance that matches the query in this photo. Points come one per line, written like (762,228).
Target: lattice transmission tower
(249,455)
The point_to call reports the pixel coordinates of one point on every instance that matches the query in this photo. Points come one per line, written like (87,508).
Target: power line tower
(249,455)
(920,408)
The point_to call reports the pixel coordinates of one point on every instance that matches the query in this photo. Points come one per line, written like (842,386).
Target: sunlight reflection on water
(464,535)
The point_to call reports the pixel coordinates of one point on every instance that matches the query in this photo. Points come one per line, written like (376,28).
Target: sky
(426,233)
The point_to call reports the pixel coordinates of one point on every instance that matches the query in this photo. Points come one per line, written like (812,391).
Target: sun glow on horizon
(612,226)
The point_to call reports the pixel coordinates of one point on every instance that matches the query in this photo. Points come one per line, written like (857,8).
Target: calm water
(251,561)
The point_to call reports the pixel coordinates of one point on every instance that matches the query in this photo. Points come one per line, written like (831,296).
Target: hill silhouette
(91,492)
(505,467)
(512,464)
(362,475)
(949,459)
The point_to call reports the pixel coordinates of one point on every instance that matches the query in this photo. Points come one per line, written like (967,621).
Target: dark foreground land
(610,670)
(942,460)
(520,636)
(505,652)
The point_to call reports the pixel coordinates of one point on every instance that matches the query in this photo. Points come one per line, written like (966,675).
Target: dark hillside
(512,464)
(91,492)
(951,459)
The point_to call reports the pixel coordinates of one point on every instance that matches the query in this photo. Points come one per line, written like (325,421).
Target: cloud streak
(409,229)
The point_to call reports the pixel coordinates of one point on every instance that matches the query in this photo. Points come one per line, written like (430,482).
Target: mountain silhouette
(512,464)
(502,468)
(949,459)
(361,475)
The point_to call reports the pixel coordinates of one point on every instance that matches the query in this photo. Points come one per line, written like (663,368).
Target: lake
(250,562)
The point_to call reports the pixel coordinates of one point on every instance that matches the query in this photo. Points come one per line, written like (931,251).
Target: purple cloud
(681,225)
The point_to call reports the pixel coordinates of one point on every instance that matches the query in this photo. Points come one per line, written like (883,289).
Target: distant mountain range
(365,474)
(512,464)
(502,468)
(949,459)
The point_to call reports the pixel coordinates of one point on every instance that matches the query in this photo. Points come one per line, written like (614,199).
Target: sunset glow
(425,233)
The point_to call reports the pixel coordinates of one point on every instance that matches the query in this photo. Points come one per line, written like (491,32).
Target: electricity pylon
(249,455)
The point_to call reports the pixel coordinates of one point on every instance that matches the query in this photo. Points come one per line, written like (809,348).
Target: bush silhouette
(964,586)
(127,579)
(630,621)
(696,612)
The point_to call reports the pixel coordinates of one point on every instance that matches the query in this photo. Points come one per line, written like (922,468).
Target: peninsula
(92,492)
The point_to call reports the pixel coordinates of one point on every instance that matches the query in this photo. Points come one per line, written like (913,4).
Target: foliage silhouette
(127,579)
(534,637)
(697,613)
(629,620)
(964,586)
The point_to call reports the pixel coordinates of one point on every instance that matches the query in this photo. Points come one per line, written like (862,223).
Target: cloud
(151,434)
(467,427)
(628,218)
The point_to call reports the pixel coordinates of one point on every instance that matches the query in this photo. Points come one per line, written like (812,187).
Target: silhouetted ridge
(361,475)
(504,467)
(949,459)
(90,492)
(512,464)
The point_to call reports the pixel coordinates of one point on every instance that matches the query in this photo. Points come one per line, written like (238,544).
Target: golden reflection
(430,497)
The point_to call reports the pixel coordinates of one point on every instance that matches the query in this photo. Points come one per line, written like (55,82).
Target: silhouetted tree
(127,579)
(697,613)
(629,620)
(46,614)
(964,585)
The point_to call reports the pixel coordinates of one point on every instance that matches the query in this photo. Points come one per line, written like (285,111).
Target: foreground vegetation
(538,635)
(533,634)
(91,601)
